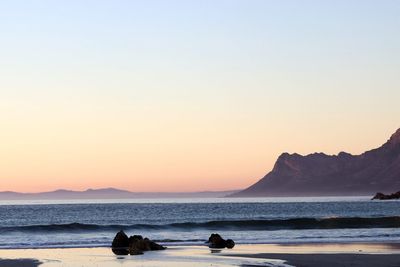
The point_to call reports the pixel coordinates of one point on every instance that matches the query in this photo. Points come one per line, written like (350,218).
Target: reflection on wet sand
(241,255)
(173,256)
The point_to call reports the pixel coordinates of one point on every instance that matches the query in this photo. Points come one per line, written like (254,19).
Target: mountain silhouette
(318,174)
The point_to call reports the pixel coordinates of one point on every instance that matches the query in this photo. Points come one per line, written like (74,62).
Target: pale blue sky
(240,80)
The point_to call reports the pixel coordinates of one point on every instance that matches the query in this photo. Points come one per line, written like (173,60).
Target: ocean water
(93,223)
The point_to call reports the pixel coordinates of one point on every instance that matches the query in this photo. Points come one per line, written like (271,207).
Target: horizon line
(119,189)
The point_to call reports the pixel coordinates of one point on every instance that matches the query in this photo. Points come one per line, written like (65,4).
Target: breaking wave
(235,225)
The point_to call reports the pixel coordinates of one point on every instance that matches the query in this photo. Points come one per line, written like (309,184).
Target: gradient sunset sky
(189,95)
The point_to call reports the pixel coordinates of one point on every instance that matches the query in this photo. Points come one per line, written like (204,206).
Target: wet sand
(334,260)
(19,262)
(193,256)
(278,255)
(332,255)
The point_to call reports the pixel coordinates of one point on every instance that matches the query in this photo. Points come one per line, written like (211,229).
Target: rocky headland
(318,174)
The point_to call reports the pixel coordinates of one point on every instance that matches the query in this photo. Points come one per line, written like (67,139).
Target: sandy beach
(282,255)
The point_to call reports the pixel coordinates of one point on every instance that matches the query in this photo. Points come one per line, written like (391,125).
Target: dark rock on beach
(382,196)
(134,245)
(216,241)
(138,244)
(120,244)
(230,243)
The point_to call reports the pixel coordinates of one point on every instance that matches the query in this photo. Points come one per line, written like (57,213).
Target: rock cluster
(216,241)
(138,244)
(134,245)
(382,196)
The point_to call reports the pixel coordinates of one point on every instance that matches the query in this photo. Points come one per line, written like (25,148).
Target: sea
(94,223)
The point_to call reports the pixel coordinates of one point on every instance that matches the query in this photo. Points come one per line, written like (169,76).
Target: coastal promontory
(318,174)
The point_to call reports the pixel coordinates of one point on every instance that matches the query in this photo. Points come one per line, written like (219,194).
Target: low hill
(107,193)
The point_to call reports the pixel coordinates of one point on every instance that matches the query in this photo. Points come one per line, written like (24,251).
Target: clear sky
(189,95)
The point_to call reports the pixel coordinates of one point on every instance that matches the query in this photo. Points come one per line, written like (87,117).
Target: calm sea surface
(91,223)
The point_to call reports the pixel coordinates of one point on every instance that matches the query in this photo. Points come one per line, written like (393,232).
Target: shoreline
(279,255)
(395,243)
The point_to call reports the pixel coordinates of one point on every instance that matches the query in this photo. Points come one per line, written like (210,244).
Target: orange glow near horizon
(83,150)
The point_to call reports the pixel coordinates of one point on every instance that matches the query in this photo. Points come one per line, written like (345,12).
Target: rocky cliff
(319,174)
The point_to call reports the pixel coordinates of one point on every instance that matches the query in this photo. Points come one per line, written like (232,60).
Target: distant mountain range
(106,193)
(317,174)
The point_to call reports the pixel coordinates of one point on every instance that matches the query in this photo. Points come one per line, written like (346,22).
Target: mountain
(318,174)
(107,193)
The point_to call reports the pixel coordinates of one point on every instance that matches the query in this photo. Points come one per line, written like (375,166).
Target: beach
(286,232)
(278,232)
(343,254)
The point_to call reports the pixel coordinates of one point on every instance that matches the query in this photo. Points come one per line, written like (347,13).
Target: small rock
(134,245)
(120,244)
(230,243)
(382,196)
(139,244)
(216,241)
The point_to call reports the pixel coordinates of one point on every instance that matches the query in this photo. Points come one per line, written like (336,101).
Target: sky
(189,95)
